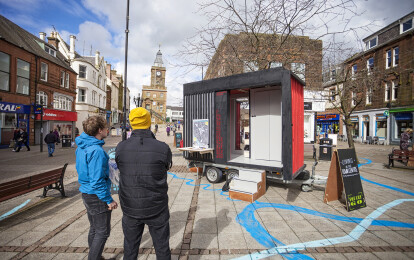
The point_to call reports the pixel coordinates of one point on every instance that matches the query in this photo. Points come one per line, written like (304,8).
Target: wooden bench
(401,156)
(52,179)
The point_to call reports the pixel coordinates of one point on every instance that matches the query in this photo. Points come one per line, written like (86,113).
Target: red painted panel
(297,125)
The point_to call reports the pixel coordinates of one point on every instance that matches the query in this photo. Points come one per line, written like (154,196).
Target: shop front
(62,121)
(365,127)
(355,127)
(11,116)
(327,124)
(381,127)
(401,119)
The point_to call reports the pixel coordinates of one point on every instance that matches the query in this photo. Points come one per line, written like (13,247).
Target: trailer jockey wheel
(231,174)
(306,187)
(214,174)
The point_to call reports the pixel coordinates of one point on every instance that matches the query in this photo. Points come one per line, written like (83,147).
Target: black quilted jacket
(143,162)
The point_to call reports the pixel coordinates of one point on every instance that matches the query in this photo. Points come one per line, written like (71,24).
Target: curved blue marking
(5,215)
(380,184)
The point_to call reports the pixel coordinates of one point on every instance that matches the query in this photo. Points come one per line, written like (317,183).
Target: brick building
(387,105)
(154,97)
(235,54)
(33,72)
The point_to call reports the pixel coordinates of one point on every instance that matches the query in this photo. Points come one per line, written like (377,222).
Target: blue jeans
(100,224)
(51,148)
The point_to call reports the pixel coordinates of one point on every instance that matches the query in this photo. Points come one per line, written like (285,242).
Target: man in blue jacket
(93,177)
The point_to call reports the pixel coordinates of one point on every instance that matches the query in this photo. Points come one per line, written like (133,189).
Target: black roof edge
(245,80)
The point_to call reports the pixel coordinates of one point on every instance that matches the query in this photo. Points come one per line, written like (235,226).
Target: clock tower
(154,96)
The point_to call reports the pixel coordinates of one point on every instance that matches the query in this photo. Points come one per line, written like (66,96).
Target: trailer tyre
(231,174)
(214,174)
(304,175)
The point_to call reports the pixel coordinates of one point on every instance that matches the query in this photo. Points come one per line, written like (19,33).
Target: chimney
(108,71)
(42,36)
(97,58)
(52,40)
(72,47)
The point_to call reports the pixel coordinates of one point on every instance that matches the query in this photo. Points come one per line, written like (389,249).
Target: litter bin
(325,149)
(66,140)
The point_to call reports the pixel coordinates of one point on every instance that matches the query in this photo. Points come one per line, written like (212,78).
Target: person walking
(143,190)
(16,137)
(405,144)
(22,140)
(56,133)
(50,140)
(168,130)
(93,176)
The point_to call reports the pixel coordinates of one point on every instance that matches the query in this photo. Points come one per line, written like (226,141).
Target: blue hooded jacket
(92,167)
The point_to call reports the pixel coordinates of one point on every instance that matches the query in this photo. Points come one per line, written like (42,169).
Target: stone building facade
(154,96)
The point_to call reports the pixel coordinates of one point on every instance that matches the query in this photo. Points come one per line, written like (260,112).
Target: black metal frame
(57,185)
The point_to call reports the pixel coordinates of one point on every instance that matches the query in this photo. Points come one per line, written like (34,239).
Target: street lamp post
(124,134)
(41,125)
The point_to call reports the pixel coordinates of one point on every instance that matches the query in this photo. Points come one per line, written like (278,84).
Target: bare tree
(266,28)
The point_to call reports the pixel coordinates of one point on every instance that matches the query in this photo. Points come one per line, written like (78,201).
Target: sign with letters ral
(6,107)
(344,176)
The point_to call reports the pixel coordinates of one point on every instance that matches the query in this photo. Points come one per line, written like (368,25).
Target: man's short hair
(92,125)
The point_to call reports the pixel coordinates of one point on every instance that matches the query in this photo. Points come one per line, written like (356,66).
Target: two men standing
(143,162)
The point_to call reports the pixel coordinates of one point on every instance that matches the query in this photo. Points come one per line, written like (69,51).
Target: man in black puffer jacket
(143,162)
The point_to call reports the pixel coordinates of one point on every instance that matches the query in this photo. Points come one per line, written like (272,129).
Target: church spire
(158,59)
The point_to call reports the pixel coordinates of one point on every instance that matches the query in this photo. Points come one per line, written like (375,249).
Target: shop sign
(354,119)
(330,117)
(58,115)
(403,116)
(307,105)
(6,107)
(381,117)
(386,113)
(37,109)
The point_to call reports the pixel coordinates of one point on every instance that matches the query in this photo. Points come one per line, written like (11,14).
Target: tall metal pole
(124,134)
(41,126)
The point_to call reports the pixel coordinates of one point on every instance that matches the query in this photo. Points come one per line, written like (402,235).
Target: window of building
(62,79)
(388,59)
(333,75)
(67,80)
(154,96)
(407,25)
(332,94)
(62,103)
(94,76)
(147,106)
(23,77)
(99,101)
(354,71)
(148,94)
(50,51)
(94,97)
(99,81)
(161,95)
(161,107)
(82,72)
(4,71)
(43,71)
(395,87)
(250,66)
(369,96)
(275,64)
(104,102)
(299,70)
(387,91)
(396,59)
(354,98)
(370,65)
(41,98)
(371,43)
(82,95)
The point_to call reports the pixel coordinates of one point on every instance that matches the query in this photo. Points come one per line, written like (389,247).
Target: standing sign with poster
(344,176)
(178,137)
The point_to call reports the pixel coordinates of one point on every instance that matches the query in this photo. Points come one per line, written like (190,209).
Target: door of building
(266,125)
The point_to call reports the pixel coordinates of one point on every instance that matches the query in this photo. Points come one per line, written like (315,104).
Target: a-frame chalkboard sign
(344,175)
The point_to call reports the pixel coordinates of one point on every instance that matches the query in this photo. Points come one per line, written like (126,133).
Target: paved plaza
(206,224)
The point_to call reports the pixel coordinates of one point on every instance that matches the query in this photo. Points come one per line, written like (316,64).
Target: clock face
(158,73)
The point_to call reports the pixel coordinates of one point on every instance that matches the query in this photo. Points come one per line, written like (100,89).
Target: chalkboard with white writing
(354,193)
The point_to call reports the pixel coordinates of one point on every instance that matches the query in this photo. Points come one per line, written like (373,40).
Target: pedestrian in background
(405,139)
(168,130)
(56,133)
(16,136)
(50,140)
(23,138)
(143,190)
(93,176)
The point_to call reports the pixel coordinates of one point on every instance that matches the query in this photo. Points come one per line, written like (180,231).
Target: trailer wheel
(231,174)
(306,188)
(214,174)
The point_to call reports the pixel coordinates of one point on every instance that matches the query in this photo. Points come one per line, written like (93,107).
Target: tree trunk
(348,126)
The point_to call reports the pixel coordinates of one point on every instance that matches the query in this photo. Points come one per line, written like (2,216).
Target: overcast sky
(100,25)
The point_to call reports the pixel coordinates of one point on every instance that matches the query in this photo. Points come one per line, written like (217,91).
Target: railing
(160,117)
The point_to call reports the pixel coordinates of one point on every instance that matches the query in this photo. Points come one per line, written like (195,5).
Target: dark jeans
(19,146)
(159,229)
(51,148)
(100,220)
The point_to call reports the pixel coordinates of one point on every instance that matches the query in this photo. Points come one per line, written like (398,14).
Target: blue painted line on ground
(5,215)
(380,184)
(355,234)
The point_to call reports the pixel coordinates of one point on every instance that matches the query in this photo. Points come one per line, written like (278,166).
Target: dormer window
(50,51)
(406,25)
(371,43)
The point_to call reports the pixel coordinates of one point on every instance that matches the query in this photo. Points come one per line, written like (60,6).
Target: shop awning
(405,109)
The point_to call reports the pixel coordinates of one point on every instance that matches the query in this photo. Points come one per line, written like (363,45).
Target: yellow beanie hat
(139,118)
